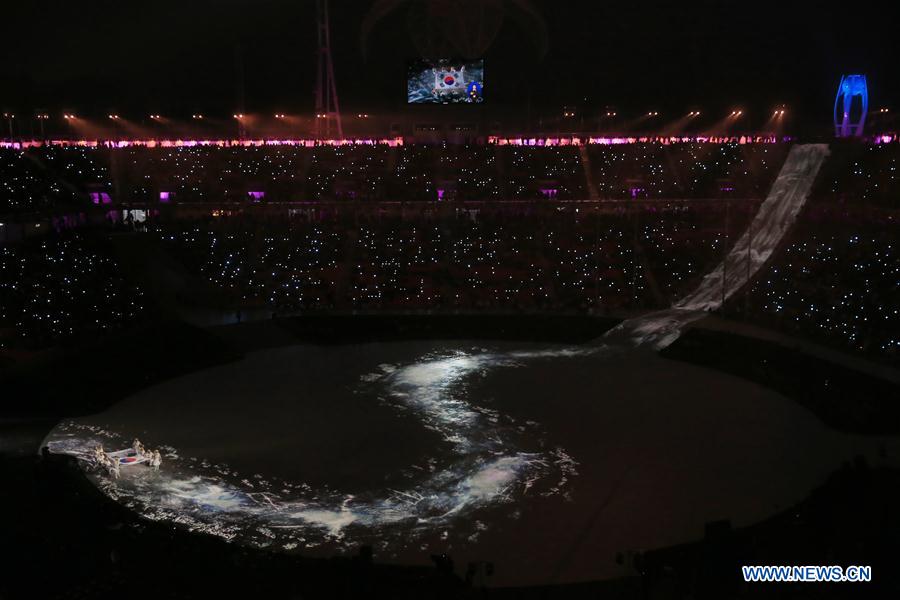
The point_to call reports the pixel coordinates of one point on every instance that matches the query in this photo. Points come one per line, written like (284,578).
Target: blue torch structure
(845,123)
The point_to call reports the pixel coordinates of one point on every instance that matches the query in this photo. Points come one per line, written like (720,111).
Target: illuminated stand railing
(885,138)
(399,141)
(622,140)
(305,143)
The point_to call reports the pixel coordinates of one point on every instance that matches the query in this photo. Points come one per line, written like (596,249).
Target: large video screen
(445,81)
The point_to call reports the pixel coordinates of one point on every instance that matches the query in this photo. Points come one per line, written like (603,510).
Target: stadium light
(197,117)
(239,116)
(114,117)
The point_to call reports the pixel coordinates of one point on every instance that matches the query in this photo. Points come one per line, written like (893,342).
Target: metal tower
(328,115)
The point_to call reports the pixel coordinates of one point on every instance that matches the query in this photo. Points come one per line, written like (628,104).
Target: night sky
(179,57)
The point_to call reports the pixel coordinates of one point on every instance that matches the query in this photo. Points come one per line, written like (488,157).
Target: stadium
(623,333)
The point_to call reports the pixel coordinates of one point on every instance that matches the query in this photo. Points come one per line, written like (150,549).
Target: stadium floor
(546,459)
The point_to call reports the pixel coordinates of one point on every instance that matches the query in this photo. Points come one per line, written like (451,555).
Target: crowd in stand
(501,259)
(838,285)
(38,178)
(861,175)
(27,183)
(834,280)
(837,279)
(62,289)
(685,170)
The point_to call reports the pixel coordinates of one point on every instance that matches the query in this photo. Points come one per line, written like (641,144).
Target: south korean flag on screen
(449,78)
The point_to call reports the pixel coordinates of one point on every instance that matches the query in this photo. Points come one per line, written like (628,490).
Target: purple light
(307,143)
(619,140)
(398,141)
(256,196)
(164,197)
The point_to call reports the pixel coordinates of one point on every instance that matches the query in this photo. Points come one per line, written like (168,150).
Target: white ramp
(775,217)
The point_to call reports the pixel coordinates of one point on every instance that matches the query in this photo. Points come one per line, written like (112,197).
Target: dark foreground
(63,539)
